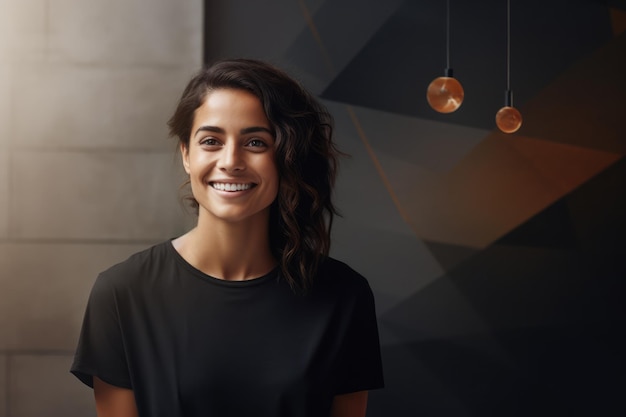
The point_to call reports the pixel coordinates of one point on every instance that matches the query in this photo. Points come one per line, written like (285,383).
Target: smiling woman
(231,160)
(245,314)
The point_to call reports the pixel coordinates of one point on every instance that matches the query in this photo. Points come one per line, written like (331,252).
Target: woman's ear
(184,151)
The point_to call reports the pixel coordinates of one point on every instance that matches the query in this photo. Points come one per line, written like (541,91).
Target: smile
(223,186)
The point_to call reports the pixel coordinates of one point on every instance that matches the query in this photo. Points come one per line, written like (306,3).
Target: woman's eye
(208,141)
(255,143)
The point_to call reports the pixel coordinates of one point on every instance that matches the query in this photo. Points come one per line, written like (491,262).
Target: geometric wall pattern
(498,261)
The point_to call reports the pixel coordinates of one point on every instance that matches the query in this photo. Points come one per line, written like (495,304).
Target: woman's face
(231,158)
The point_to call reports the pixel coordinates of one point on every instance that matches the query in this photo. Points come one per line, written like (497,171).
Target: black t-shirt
(190,345)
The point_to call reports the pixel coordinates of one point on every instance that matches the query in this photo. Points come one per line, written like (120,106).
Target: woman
(245,314)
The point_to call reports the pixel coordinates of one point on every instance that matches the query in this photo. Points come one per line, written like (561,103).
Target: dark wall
(498,261)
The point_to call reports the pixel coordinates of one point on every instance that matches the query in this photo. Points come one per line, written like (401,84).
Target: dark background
(498,261)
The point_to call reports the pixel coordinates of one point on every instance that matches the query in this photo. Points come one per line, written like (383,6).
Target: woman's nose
(231,159)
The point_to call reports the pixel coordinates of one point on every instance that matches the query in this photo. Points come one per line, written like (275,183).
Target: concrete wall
(87,172)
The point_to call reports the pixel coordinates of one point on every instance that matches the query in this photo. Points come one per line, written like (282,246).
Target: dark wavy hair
(301,217)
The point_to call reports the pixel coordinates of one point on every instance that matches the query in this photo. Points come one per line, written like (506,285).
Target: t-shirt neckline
(219,281)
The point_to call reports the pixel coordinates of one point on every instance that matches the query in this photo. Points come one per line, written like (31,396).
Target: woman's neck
(230,251)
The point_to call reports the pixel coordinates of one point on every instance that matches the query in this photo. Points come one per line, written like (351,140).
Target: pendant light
(508,118)
(445,94)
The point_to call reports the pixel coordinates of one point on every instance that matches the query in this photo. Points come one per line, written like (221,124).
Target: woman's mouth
(225,186)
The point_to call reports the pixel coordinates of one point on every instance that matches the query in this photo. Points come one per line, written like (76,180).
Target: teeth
(230,187)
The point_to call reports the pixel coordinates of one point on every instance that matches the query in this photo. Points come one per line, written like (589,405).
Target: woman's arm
(349,405)
(112,401)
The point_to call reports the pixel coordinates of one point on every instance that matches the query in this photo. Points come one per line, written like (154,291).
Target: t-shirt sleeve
(100,350)
(359,367)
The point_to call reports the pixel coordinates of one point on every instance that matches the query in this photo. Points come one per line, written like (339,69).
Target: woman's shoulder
(339,274)
(138,265)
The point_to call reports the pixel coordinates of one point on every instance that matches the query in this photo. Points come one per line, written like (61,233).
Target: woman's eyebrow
(213,129)
(243,131)
(254,129)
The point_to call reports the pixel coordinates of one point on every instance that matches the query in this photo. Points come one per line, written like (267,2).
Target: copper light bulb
(445,94)
(508,119)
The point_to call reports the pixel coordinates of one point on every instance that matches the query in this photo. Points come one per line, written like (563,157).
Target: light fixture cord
(448,34)
(508,45)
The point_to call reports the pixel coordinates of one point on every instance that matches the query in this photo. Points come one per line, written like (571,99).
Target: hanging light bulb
(508,118)
(445,94)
